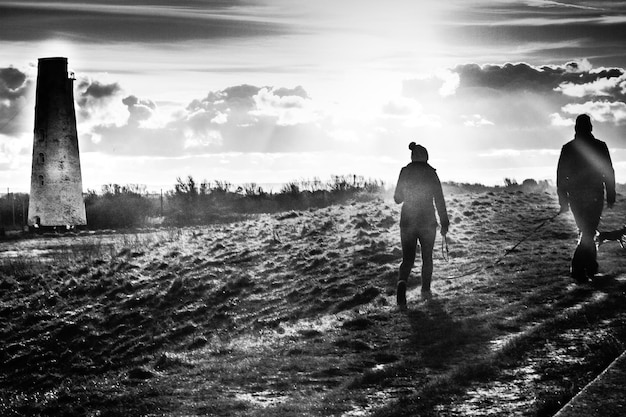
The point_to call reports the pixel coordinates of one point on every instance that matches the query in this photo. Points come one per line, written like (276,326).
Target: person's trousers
(410,235)
(587,210)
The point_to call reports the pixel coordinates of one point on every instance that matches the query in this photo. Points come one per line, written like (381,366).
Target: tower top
(53,68)
(53,60)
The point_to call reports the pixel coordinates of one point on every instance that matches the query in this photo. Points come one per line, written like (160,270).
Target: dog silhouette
(618,235)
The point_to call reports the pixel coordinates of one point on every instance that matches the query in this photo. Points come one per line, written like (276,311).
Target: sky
(274,91)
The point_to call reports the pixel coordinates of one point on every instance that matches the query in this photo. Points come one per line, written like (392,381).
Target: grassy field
(293,314)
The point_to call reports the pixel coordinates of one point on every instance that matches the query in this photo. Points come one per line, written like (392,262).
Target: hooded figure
(418,188)
(584,172)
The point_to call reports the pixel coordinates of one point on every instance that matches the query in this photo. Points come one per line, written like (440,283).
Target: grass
(574,312)
(292,315)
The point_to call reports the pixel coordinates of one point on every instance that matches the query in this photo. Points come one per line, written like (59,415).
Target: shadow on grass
(451,349)
(439,336)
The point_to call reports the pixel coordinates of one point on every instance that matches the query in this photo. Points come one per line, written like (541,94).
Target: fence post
(13,209)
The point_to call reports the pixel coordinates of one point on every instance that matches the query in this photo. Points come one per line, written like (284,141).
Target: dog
(618,235)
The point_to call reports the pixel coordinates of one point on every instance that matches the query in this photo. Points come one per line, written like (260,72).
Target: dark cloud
(11,80)
(299,91)
(137,21)
(547,31)
(548,86)
(93,95)
(241,96)
(520,97)
(139,110)
(513,78)
(15,90)
(97,90)
(522,76)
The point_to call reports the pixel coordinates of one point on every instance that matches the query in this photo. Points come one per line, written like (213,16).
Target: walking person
(584,172)
(418,187)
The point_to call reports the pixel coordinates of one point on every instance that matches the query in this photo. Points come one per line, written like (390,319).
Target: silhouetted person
(583,173)
(418,187)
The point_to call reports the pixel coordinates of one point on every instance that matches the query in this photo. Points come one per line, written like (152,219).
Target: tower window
(40,180)
(41,159)
(41,135)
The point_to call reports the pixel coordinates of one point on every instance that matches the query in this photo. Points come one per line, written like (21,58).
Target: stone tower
(56,187)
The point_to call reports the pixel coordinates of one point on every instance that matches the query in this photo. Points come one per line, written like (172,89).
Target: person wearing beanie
(584,172)
(417,189)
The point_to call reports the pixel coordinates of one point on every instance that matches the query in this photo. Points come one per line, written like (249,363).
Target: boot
(401,294)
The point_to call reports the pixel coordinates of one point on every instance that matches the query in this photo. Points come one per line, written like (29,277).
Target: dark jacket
(585,169)
(418,186)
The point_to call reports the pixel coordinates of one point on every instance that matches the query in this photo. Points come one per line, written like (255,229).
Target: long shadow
(439,336)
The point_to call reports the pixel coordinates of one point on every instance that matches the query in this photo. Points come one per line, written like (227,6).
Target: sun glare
(57,48)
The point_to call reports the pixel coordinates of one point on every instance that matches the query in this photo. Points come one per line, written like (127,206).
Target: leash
(445,253)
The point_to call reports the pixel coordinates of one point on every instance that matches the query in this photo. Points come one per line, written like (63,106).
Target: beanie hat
(418,153)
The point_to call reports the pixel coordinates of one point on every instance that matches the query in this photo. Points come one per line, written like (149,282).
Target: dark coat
(418,186)
(585,171)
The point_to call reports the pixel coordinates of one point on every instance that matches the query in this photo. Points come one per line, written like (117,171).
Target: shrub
(118,207)
(13,210)
(192,204)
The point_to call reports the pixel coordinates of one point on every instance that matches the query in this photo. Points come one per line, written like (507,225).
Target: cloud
(484,108)
(610,86)
(522,76)
(472,79)
(99,103)
(95,96)
(523,96)
(298,91)
(139,110)
(243,118)
(558,4)
(476,120)
(97,90)
(16,120)
(225,109)
(247,105)
(557,120)
(450,83)
(571,78)
(408,112)
(287,107)
(442,84)
(15,89)
(401,106)
(12,82)
(515,106)
(138,21)
(600,111)
(232,100)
